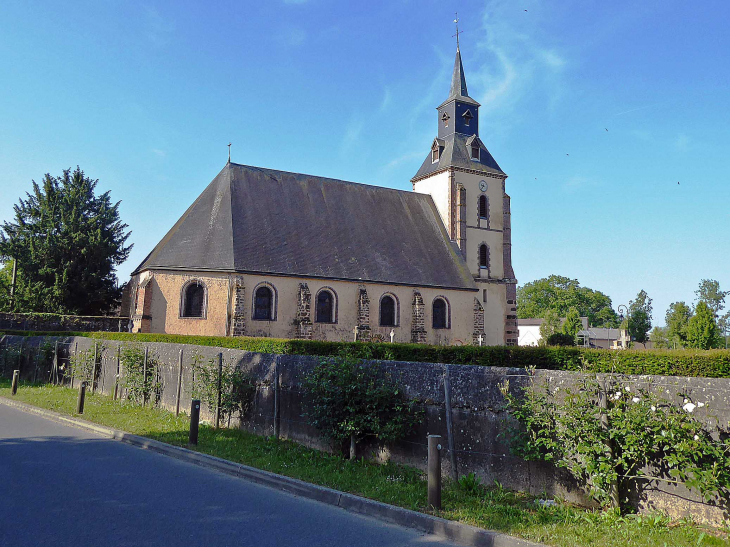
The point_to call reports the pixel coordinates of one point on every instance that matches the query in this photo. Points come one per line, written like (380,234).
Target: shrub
(141,380)
(238,388)
(351,400)
(709,364)
(608,449)
(561,339)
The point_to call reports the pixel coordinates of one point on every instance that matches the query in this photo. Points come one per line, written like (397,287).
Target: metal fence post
(14,385)
(434,471)
(277,400)
(144,376)
(220,381)
(194,421)
(116,376)
(93,369)
(179,383)
(450,424)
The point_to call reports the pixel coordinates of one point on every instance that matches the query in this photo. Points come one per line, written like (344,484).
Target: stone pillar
(511,332)
(303,320)
(461,219)
(238,321)
(418,323)
(142,318)
(363,315)
(478,323)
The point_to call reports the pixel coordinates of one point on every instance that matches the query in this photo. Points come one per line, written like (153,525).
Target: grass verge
(469,501)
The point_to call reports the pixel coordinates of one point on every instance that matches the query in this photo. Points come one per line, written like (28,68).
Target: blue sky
(146,96)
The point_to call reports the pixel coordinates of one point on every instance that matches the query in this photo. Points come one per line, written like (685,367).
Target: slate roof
(456,153)
(458,89)
(257,220)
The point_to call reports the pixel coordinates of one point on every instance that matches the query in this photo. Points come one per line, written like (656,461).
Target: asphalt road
(65,486)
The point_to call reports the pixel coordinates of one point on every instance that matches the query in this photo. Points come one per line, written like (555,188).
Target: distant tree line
(561,302)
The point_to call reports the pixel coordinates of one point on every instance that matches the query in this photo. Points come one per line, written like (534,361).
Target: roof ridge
(267,169)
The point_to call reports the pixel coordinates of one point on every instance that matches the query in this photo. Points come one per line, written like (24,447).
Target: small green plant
(238,388)
(82,366)
(353,400)
(610,448)
(471,484)
(141,379)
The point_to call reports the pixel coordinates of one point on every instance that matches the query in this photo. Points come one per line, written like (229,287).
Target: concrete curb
(454,531)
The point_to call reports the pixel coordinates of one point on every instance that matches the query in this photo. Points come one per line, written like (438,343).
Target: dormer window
(467,117)
(475,150)
(445,119)
(436,148)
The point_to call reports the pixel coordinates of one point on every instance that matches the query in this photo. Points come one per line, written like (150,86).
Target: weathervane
(229,152)
(456,22)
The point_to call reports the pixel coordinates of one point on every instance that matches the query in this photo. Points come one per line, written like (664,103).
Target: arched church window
(483,256)
(264,304)
(483,207)
(440,314)
(193,299)
(325,312)
(387,311)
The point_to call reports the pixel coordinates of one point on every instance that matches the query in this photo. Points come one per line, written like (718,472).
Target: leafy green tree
(709,292)
(702,331)
(560,294)
(639,320)
(6,275)
(572,324)
(677,319)
(353,400)
(659,338)
(550,325)
(68,242)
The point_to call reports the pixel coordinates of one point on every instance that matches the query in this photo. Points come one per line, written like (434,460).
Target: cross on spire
(456,22)
(229,152)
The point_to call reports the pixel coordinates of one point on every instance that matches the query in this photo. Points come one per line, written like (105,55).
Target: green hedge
(710,364)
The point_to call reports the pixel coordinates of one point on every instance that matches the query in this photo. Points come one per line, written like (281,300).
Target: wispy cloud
(519,61)
(637,109)
(387,99)
(293,36)
(682,143)
(158,152)
(352,134)
(577,183)
(158,29)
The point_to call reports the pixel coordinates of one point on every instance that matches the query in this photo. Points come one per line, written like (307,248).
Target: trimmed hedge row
(709,364)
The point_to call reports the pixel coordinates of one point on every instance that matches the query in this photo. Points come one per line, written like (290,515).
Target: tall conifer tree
(68,242)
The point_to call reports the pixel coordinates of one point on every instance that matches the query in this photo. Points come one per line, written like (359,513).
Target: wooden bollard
(194,422)
(14,385)
(81,399)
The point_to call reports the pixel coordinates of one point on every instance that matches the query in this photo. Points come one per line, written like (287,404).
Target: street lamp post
(621,317)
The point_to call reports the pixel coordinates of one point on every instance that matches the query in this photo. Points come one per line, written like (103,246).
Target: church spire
(458,80)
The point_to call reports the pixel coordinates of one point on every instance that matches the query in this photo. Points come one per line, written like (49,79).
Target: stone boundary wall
(54,323)
(478,411)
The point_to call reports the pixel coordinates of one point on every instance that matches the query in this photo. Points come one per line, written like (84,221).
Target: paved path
(62,486)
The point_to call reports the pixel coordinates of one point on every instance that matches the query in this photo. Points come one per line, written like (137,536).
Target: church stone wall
(229,310)
(165,309)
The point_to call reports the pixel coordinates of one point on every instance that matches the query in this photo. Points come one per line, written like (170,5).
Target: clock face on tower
(483,185)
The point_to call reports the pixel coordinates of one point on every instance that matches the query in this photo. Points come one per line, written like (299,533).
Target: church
(269,253)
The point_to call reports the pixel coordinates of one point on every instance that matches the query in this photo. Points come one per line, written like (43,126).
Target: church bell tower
(468,188)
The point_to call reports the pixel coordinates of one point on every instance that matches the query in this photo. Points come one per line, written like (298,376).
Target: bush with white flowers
(643,438)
